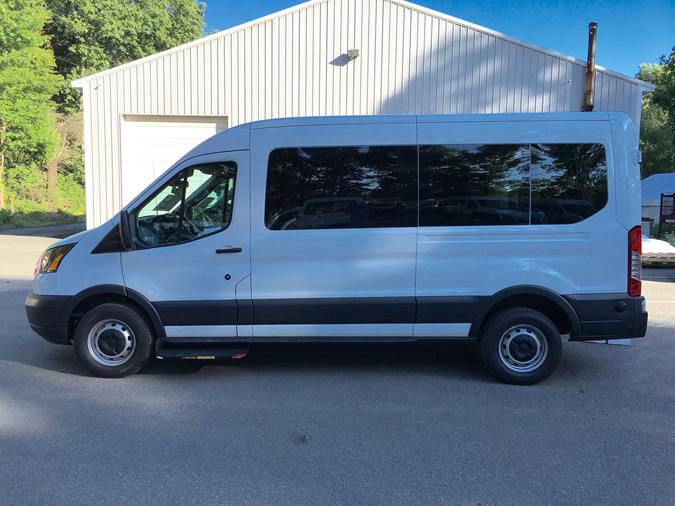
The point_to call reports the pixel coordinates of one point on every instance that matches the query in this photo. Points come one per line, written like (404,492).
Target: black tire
(121,336)
(531,348)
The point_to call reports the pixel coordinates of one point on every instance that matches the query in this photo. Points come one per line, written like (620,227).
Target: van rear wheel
(520,346)
(113,340)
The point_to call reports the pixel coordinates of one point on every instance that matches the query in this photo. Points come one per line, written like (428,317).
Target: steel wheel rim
(111,343)
(523,348)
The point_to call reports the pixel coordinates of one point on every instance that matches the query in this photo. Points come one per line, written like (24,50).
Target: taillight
(635,261)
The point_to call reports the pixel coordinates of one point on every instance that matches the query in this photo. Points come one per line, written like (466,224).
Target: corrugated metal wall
(412,60)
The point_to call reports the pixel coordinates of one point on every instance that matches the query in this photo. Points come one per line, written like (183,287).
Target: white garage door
(151,144)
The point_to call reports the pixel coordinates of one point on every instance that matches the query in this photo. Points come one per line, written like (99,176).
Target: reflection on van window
(475,184)
(341,187)
(569,181)
(195,203)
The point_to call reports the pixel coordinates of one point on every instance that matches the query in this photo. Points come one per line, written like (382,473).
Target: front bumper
(45,318)
(603,316)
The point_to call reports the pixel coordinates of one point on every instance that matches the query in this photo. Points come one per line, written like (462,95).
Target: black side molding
(533,290)
(121,291)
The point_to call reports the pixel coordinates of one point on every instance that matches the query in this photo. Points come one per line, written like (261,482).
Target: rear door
(334,231)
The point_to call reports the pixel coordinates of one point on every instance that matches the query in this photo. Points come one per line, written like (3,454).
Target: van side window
(569,182)
(478,184)
(197,202)
(537,184)
(341,187)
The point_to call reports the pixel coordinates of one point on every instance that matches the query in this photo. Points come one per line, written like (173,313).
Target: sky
(629,32)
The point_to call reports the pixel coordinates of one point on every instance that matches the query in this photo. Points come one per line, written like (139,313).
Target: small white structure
(323,57)
(652,188)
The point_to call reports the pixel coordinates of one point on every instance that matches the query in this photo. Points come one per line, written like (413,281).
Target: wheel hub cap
(111,342)
(523,348)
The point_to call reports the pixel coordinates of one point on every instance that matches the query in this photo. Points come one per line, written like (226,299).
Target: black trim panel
(456,309)
(114,290)
(197,312)
(44,315)
(111,243)
(592,316)
(56,335)
(45,310)
(608,316)
(334,310)
(524,290)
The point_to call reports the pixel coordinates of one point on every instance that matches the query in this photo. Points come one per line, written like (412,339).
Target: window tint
(196,202)
(341,187)
(569,182)
(474,185)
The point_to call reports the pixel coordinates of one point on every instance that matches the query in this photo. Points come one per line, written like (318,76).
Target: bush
(10,219)
(669,237)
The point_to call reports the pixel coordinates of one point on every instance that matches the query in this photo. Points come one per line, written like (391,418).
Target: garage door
(151,144)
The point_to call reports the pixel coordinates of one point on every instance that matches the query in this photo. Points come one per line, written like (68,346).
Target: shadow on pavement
(58,231)
(659,273)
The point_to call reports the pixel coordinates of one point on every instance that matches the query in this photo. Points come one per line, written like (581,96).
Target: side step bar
(192,349)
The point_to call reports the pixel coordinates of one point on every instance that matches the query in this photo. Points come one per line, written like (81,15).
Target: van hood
(71,239)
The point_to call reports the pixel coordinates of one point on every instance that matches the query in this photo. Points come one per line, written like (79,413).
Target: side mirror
(125,231)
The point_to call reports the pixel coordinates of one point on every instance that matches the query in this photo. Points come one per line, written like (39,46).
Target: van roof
(437,118)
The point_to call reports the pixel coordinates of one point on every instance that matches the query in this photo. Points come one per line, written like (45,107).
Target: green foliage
(44,45)
(663,76)
(27,83)
(657,130)
(92,35)
(35,217)
(669,237)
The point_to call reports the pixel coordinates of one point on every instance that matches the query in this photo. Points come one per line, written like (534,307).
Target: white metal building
(142,116)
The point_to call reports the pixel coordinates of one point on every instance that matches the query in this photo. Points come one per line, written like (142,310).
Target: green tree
(27,83)
(93,35)
(657,130)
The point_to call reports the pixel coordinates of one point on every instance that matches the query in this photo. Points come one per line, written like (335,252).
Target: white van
(504,230)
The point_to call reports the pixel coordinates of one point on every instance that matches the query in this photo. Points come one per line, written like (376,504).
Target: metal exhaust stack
(590,68)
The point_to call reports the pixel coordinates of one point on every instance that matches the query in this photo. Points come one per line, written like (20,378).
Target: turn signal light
(51,259)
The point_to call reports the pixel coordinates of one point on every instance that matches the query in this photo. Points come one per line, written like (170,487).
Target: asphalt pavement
(56,231)
(334,424)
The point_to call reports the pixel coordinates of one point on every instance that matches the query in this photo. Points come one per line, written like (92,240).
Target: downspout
(590,68)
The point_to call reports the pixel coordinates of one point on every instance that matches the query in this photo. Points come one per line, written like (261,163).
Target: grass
(20,219)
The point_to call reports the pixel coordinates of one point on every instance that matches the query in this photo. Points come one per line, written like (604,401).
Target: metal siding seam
(153,86)
(87,147)
(104,147)
(454,68)
(323,58)
(269,77)
(302,75)
(205,78)
(115,201)
(253,87)
(288,57)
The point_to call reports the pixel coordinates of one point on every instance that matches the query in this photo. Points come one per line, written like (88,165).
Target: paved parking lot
(335,424)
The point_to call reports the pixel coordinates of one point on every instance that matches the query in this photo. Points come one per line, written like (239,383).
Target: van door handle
(228,250)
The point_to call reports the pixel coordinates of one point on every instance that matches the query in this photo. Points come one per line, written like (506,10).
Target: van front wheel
(520,346)
(113,340)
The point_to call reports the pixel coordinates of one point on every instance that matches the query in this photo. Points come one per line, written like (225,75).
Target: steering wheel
(202,216)
(147,233)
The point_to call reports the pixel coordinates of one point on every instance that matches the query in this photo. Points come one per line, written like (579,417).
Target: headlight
(51,259)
